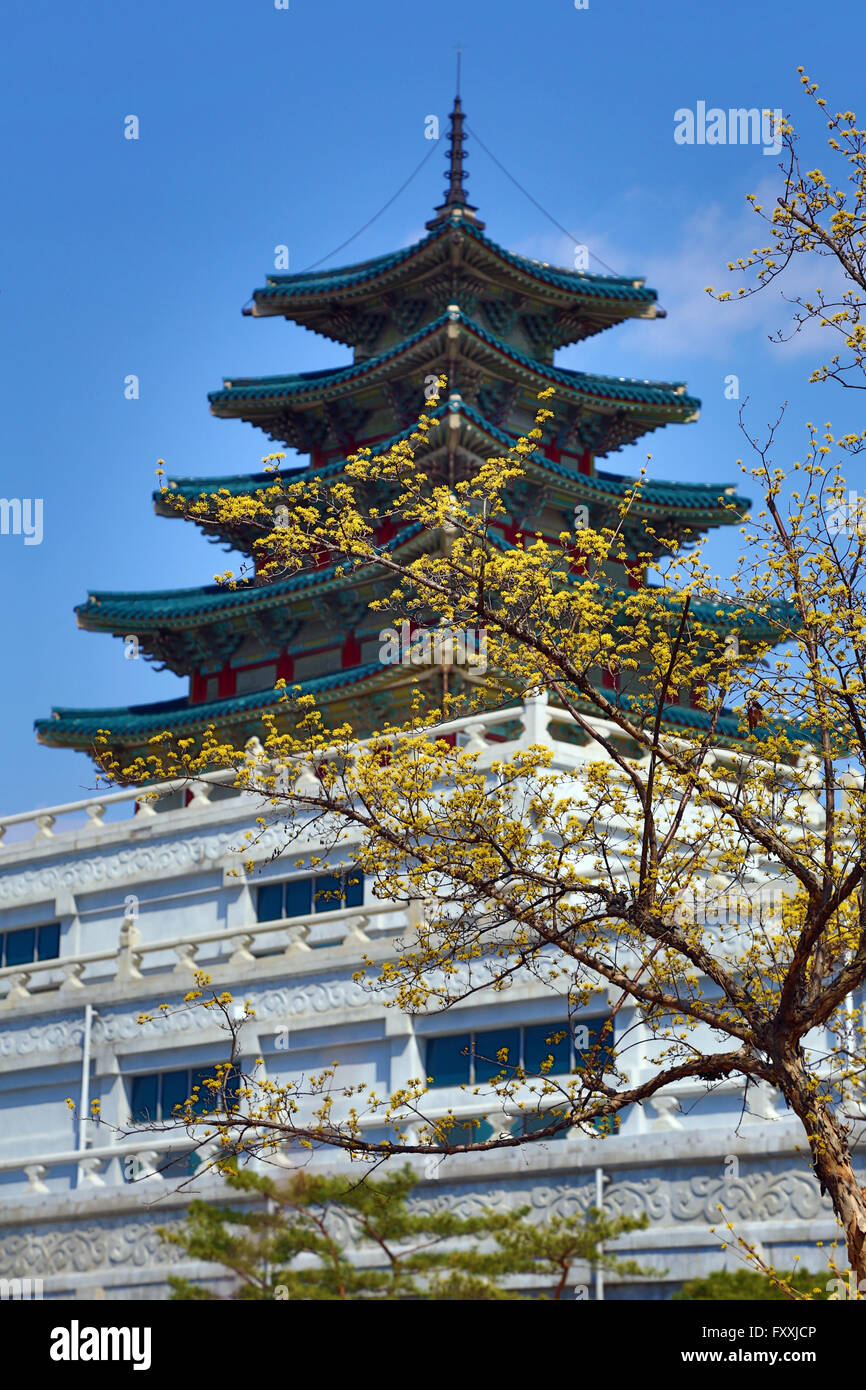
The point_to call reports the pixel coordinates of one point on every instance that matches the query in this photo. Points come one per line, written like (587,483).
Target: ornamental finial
(455,194)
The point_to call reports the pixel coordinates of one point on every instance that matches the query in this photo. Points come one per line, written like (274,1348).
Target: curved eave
(316,300)
(130,725)
(244,484)
(703,505)
(187,610)
(250,396)
(178,609)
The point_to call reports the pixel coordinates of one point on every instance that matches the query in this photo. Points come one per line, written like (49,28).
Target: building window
(155,1096)
(456,1059)
(29,944)
(528,1125)
(298,897)
(250,678)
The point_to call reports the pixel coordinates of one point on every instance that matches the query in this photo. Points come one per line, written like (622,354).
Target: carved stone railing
(132,1160)
(53,822)
(345,927)
(535,715)
(89,813)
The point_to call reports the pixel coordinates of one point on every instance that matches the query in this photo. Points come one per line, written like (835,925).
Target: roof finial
(455,193)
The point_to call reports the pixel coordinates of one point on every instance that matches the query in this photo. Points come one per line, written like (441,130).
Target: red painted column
(226,686)
(351,655)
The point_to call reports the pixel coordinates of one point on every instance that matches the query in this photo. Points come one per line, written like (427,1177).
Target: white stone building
(108,905)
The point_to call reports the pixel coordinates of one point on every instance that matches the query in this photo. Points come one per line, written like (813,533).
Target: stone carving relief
(102,869)
(759,1196)
(99,1245)
(110,1026)
(768,1194)
(23,1040)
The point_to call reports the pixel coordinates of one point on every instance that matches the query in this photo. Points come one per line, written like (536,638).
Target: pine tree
(319,1237)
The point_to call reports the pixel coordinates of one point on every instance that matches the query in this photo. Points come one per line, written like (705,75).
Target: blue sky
(261,127)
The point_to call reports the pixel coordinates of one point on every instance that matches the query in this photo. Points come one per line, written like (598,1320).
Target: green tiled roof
(130,723)
(127,722)
(696,496)
(205,600)
(115,611)
(627,390)
(616,287)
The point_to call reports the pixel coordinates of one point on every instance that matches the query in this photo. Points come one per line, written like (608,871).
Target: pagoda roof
(329,380)
(337,302)
(131,725)
(707,503)
(77,728)
(300,406)
(115,610)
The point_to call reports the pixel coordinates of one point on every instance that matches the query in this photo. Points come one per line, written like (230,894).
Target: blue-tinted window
(328,892)
(298,897)
(20,946)
(464,1132)
(528,1046)
(30,944)
(209,1099)
(48,942)
(593,1041)
(175,1091)
(539,1043)
(155,1096)
(205,1099)
(179,1165)
(145,1098)
(269,902)
(488,1044)
(531,1124)
(608,1124)
(354,888)
(448,1059)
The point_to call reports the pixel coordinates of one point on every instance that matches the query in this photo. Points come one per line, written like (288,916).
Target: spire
(455,193)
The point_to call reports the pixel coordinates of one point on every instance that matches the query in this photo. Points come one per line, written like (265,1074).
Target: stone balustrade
(123,963)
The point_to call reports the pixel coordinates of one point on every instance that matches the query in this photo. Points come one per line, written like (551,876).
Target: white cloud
(696,325)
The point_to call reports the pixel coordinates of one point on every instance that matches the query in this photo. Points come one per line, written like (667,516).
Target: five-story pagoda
(453,304)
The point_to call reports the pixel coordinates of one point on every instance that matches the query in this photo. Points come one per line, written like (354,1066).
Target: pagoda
(457,304)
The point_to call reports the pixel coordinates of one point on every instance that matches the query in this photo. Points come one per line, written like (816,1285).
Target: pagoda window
(300,897)
(211,688)
(324,662)
(30,944)
(457,1059)
(252,678)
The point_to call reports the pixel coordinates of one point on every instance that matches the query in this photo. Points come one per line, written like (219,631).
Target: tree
(816,217)
(298,1241)
(742,1284)
(607,872)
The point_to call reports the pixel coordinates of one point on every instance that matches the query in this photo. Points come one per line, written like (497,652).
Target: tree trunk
(831,1161)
